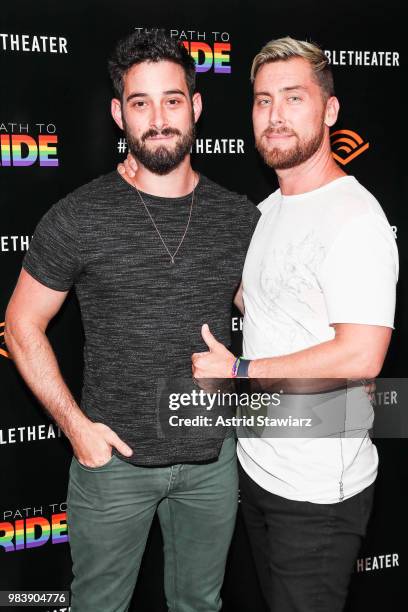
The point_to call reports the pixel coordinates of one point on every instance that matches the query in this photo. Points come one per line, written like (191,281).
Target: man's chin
(280,164)
(165,169)
(276,158)
(158,166)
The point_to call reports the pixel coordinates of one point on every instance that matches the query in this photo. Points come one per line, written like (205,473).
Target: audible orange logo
(3,350)
(346,145)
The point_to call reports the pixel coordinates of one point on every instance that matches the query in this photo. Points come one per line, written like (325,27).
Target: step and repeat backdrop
(56,133)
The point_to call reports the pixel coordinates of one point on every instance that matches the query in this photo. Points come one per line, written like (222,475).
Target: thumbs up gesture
(217,362)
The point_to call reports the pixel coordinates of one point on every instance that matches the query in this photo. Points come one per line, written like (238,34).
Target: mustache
(164,132)
(281,130)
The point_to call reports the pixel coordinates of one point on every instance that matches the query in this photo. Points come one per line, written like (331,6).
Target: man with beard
(318,297)
(150,259)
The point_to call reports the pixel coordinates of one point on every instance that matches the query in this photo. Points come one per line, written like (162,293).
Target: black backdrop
(55,92)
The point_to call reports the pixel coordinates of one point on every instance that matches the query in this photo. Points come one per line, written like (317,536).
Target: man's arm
(31,307)
(356,352)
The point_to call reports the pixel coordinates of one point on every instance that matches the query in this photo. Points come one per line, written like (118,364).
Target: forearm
(35,359)
(331,359)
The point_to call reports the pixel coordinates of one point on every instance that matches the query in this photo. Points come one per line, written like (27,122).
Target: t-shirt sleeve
(53,257)
(359,275)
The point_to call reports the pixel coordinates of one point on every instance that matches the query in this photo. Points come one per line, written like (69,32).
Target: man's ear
(197,106)
(116,110)
(332,111)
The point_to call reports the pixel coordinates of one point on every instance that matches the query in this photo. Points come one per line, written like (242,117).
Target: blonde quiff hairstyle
(287,48)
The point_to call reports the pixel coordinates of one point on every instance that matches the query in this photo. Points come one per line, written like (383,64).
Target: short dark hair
(155,46)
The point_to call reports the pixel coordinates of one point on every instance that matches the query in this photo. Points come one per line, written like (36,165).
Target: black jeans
(304,552)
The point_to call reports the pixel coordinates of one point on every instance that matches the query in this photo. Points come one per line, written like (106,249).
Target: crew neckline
(160,198)
(313,192)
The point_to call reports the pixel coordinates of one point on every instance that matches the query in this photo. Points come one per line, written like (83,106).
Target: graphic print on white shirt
(287,281)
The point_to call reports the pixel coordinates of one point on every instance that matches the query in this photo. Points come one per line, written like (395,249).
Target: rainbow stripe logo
(25,150)
(207,57)
(33,532)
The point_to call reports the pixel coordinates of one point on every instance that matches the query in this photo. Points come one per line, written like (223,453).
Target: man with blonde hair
(312,310)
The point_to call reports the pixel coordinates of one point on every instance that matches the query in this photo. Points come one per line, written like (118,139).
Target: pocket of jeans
(93,469)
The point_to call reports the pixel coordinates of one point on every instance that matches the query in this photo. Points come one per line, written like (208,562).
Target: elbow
(15,331)
(368,366)
(20,331)
(373,370)
(9,338)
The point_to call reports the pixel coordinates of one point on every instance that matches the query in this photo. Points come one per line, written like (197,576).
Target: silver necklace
(172,256)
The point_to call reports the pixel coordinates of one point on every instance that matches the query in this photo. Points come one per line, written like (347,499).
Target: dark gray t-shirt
(142,315)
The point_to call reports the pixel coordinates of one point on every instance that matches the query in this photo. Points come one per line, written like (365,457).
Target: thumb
(120,446)
(208,338)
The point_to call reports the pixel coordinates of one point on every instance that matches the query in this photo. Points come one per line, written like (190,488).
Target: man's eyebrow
(291,87)
(171,92)
(288,88)
(136,94)
(168,92)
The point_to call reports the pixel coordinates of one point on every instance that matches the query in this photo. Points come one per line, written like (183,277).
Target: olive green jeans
(109,514)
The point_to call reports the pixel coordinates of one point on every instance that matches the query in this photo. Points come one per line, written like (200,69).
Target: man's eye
(294,98)
(139,103)
(263,101)
(173,102)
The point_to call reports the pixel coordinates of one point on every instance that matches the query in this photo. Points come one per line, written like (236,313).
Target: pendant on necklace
(172,260)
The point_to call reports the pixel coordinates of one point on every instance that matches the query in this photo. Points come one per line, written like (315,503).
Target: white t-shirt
(318,258)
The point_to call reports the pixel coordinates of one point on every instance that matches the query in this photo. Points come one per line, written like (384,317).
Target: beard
(281,159)
(160,160)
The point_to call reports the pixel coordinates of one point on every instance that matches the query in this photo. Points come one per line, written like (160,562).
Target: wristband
(242,370)
(235,367)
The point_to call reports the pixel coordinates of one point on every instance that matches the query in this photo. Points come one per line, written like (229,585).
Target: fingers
(195,357)
(128,166)
(198,362)
(195,361)
(132,162)
(113,439)
(129,170)
(131,165)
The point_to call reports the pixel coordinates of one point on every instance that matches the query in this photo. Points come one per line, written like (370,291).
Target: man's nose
(276,118)
(158,119)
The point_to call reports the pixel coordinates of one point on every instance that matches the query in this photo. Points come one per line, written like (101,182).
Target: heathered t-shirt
(142,315)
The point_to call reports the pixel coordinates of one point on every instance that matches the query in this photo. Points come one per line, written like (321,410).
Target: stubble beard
(161,160)
(281,159)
